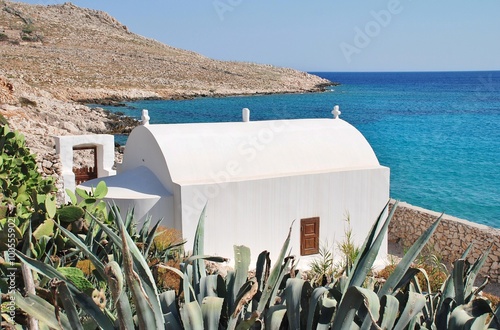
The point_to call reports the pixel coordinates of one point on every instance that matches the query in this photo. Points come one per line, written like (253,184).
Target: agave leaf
(69,305)
(282,274)
(467,251)
(208,286)
(275,275)
(145,313)
(186,284)
(192,317)
(150,237)
(472,274)
(368,240)
(141,265)
(207,258)
(314,307)
(448,291)
(241,265)
(40,267)
(428,309)
(356,299)
(327,313)
(389,310)
(198,249)
(214,286)
(470,316)
(413,304)
(275,316)
(271,286)
(390,286)
(262,268)
(41,310)
(128,223)
(143,232)
(121,302)
(211,308)
(245,295)
(297,294)
(459,268)
(340,287)
(408,276)
(443,312)
(368,253)
(169,307)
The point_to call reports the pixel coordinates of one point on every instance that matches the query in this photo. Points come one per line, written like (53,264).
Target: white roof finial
(246,114)
(145,117)
(336,112)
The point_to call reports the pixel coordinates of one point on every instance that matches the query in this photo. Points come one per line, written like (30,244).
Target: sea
(439,132)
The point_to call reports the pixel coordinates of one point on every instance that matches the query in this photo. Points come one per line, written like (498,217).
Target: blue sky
(322,35)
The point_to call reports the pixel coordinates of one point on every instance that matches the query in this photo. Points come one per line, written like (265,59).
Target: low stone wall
(451,238)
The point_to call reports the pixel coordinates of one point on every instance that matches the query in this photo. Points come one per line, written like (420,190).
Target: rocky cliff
(53,58)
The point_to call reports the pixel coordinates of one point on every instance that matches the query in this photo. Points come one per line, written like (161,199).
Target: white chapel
(255,178)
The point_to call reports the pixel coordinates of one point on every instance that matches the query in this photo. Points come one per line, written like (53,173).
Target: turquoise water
(439,132)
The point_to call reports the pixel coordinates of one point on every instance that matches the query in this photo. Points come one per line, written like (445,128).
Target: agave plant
(275,298)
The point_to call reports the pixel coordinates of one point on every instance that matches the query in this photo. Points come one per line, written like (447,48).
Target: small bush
(347,247)
(436,272)
(27,102)
(3,37)
(322,268)
(167,279)
(165,238)
(28,29)
(3,120)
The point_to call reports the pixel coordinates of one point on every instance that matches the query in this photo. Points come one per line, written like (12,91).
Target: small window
(309,236)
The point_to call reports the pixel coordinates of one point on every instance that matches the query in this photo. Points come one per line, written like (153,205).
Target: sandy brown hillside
(78,53)
(53,57)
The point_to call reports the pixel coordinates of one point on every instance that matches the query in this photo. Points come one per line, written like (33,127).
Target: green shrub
(322,268)
(19,177)
(27,102)
(348,250)
(28,28)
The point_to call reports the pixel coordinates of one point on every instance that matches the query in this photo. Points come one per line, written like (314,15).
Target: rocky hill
(78,53)
(55,58)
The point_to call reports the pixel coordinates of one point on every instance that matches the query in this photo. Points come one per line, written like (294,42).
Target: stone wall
(49,165)
(450,239)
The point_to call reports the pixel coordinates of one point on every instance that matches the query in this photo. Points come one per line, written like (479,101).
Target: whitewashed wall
(258,213)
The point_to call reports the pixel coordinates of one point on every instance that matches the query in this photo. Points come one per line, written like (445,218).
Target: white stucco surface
(218,152)
(138,183)
(139,189)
